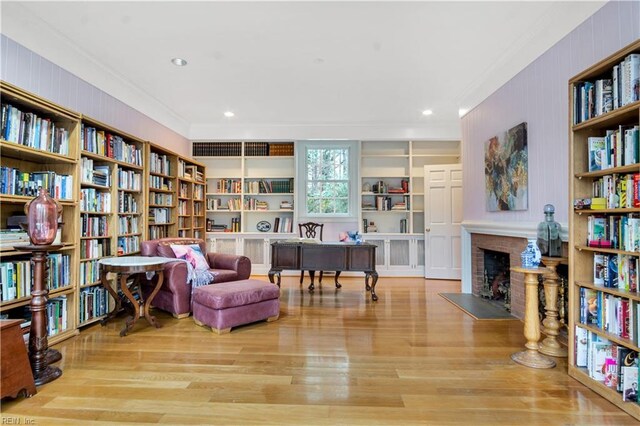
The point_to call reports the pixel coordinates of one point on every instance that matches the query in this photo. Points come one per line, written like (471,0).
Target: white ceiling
(293,65)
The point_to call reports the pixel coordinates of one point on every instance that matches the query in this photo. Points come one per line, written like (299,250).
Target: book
(596,152)
(629,383)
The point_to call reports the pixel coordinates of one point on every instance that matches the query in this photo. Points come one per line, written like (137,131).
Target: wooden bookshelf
(586,262)
(111,171)
(39,148)
(191,198)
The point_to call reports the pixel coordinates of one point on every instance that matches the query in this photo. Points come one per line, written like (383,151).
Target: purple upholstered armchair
(175,294)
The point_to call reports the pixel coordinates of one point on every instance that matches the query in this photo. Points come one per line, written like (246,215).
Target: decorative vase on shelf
(531,255)
(42,218)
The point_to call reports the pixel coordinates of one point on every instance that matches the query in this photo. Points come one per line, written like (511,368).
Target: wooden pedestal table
(39,353)
(124,267)
(550,345)
(531,357)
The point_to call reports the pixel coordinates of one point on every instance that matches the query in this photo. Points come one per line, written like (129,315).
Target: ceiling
(294,65)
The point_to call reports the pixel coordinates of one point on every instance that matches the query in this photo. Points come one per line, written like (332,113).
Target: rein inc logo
(17,421)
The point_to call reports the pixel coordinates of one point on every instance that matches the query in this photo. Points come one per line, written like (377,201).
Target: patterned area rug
(477,307)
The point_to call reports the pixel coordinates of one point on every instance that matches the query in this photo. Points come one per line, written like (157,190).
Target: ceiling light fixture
(229,114)
(179,62)
(427,112)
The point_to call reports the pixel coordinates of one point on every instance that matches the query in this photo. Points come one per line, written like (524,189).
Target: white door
(442,218)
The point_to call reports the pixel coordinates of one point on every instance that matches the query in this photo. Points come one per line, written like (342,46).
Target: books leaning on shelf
(113,146)
(15,182)
(619,147)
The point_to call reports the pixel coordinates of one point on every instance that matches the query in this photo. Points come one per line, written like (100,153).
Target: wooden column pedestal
(550,345)
(531,357)
(39,353)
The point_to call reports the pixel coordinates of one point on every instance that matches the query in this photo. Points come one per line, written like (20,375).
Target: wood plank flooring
(333,358)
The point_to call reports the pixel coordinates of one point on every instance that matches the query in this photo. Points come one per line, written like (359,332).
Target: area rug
(477,307)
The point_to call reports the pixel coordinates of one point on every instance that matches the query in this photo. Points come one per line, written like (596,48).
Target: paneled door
(442,219)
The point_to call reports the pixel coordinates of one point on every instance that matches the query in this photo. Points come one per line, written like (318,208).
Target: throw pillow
(192,254)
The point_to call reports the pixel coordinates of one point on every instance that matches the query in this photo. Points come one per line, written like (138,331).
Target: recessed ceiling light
(462,111)
(427,112)
(179,62)
(229,114)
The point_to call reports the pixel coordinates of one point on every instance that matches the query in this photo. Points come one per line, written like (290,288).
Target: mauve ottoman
(225,305)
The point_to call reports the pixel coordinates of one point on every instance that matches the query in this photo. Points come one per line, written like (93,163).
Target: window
(328,169)
(327,181)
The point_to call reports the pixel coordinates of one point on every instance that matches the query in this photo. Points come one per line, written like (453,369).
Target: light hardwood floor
(333,357)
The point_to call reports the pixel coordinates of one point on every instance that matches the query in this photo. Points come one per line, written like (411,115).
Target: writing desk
(325,256)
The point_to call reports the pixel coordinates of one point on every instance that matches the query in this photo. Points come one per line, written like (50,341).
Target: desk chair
(310,230)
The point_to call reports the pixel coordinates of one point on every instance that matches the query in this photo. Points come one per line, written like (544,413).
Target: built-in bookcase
(249,186)
(39,147)
(604,232)
(191,202)
(162,187)
(112,220)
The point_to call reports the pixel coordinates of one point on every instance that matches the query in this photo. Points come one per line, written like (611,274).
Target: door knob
(427,229)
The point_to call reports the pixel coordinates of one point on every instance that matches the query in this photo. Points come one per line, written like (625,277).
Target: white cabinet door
(443,216)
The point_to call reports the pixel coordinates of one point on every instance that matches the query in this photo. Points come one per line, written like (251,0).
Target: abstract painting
(506,170)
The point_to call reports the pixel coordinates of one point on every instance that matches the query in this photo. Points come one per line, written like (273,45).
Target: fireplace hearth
(496,285)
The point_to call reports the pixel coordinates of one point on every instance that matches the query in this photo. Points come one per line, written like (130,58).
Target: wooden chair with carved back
(314,231)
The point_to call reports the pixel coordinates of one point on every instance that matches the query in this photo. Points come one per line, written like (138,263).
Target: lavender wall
(539,96)
(30,71)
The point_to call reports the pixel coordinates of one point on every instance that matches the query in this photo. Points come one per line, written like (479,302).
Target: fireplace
(496,285)
(510,247)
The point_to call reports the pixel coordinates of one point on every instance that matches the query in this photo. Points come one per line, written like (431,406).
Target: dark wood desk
(325,256)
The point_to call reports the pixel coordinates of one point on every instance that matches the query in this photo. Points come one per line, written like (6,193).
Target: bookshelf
(247,184)
(111,208)
(162,192)
(39,147)
(191,199)
(392,183)
(604,302)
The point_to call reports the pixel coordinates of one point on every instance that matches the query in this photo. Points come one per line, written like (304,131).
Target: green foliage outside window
(327,181)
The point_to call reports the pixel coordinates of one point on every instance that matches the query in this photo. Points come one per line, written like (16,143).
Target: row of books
(93,200)
(15,182)
(57,315)
(276,186)
(614,231)
(616,191)
(93,303)
(610,313)
(161,199)
(29,129)
(283,225)
(183,207)
(216,149)
(263,149)
(130,180)
(615,271)
(227,186)
(613,365)
(183,191)
(92,249)
(94,174)
(618,147)
(127,203)
(159,215)
(198,192)
(233,204)
(89,272)
(128,245)
(159,163)
(108,145)
(183,222)
(157,182)
(128,225)
(198,208)
(16,277)
(94,226)
(594,98)
(255,204)
(156,232)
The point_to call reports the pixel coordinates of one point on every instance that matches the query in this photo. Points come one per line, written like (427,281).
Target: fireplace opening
(496,280)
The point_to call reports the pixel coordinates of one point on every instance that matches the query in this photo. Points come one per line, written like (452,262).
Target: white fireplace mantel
(507,229)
